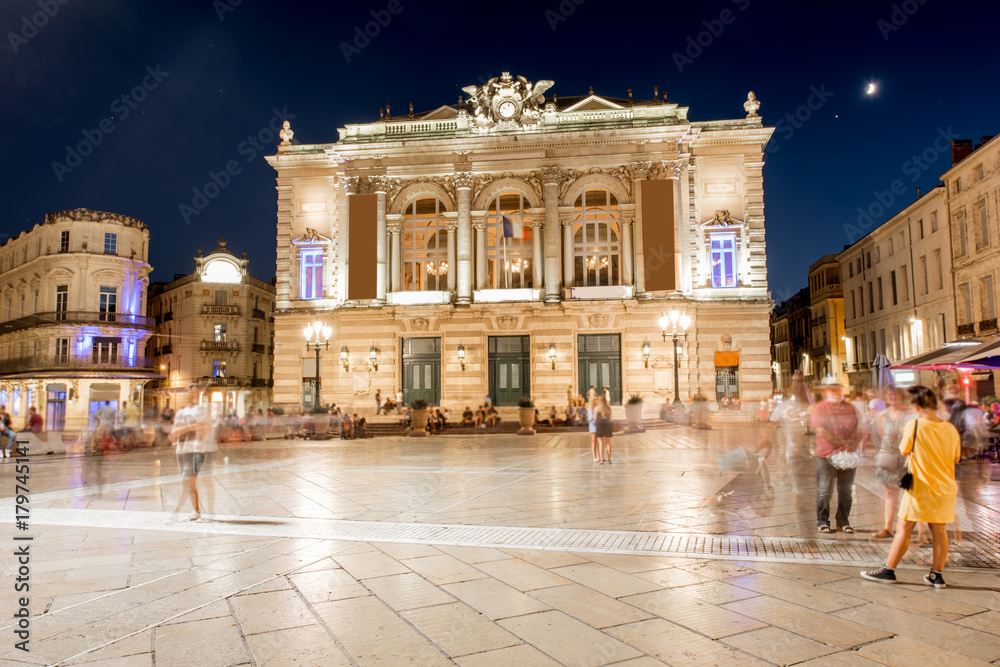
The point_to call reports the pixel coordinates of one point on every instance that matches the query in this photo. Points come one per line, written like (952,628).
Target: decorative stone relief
(751,105)
(598,320)
(286,134)
(506,322)
(419,324)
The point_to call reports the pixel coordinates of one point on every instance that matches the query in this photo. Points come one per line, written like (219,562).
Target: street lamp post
(317,335)
(673,320)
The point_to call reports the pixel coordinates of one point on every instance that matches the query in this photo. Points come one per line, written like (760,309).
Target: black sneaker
(883,574)
(935,579)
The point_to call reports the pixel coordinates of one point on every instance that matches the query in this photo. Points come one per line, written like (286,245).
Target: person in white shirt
(194,435)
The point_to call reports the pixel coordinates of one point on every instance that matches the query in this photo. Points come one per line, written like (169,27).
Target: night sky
(212,74)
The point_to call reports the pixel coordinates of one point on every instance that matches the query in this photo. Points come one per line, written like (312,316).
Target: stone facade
(74,325)
(827,351)
(898,289)
(214,329)
(573,171)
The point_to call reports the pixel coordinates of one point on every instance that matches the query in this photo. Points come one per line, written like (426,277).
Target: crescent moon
(871,89)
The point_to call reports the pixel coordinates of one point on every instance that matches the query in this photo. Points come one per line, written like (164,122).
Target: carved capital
(550,175)
(641,170)
(628,220)
(479,225)
(379,184)
(451,226)
(672,168)
(394,227)
(464,180)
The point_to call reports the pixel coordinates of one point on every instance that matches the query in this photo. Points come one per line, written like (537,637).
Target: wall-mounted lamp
(461,355)
(344,357)
(373,355)
(552,355)
(645,353)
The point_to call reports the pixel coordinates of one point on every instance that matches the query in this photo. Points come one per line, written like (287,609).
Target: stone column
(626,251)
(672,171)
(640,172)
(463,185)
(567,255)
(395,264)
(537,256)
(480,227)
(553,241)
(379,185)
(451,256)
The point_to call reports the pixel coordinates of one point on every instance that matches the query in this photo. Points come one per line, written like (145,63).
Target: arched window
(425,246)
(597,239)
(508,242)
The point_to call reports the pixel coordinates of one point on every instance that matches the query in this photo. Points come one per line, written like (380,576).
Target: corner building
(513,244)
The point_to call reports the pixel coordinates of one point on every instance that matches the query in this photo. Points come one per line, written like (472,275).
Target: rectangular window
(861,300)
(854,306)
(859,266)
(923,273)
(105,350)
(984,227)
(723,251)
(940,269)
(871,298)
(892,287)
(868,260)
(255,333)
(906,285)
(958,185)
(881,341)
(108,303)
(34,306)
(920,227)
(892,248)
(878,252)
(961,235)
(980,173)
(864,349)
(850,270)
(871,346)
(966,303)
(219,368)
(933,221)
(881,305)
(311,273)
(64,241)
(897,343)
(110,243)
(62,301)
(989,304)
(942,332)
(220,333)
(62,350)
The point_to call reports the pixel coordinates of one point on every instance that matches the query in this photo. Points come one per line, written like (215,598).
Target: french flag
(514,230)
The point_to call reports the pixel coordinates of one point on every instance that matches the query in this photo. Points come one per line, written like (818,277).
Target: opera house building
(522,243)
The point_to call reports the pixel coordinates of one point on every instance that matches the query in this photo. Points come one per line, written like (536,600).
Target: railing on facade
(258,348)
(260,382)
(209,309)
(167,349)
(71,317)
(168,316)
(219,346)
(60,362)
(258,314)
(966,329)
(988,325)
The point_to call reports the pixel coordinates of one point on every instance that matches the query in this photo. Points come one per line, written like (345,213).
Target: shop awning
(946,357)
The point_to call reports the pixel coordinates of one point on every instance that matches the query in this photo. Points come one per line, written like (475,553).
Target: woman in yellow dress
(934,447)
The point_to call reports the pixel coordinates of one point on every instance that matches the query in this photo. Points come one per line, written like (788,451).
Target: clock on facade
(507,109)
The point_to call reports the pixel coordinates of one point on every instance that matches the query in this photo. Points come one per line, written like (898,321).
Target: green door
(599,363)
(422,370)
(509,360)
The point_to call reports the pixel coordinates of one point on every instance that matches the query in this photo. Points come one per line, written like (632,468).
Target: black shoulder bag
(906,481)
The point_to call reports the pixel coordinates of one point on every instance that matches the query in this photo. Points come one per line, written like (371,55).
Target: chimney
(960,149)
(983,140)
(918,193)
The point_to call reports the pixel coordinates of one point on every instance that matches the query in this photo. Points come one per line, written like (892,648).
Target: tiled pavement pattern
(127,585)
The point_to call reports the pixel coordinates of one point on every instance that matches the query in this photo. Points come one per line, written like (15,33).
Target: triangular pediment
(593,103)
(441,113)
(311,237)
(722,220)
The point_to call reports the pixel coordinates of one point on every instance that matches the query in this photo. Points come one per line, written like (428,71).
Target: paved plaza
(480,550)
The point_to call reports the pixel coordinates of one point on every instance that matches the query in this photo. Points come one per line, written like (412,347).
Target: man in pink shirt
(836,426)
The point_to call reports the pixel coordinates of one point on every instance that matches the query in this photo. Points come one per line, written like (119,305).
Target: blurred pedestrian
(193,434)
(837,434)
(595,446)
(605,428)
(787,425)
(934,448)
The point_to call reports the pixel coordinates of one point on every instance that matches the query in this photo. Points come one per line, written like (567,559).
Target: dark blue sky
(220,79)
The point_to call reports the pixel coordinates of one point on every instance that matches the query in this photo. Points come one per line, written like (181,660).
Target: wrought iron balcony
(988,325)
(209,309)
(219,346)
(75,317)
(41,362)
(258,314)
(167,349)
(168,316)
(966,329)
(258,348)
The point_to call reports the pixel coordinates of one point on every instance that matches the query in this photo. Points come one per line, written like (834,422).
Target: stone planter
(699,415)
(526,418)
(419,423)
(633,416)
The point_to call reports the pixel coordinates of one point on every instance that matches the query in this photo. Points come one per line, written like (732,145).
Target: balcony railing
(219,346)
(167,349)
(257,314)
(966,329)
(988,325)
(58,362)
(258,348)
(73,317)
(208,309)
(168,316)
(260,382)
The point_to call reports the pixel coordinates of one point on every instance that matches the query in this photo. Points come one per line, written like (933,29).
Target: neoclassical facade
(213,329)
(73,326)
(513,244)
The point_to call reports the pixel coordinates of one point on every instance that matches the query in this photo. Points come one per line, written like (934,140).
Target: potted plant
(419,407)
(526,415)
(699,411)
(633,413)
